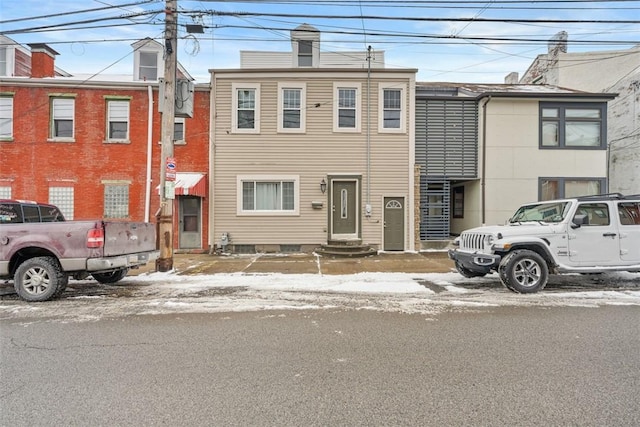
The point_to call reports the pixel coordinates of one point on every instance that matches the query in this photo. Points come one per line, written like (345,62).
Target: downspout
(484,162)
(147,198)
(212,148)
(367,209)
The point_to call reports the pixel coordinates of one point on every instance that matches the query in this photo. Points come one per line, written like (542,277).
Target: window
(305,53)
(597,213)
(275,195)
(62,197)
(347,106)
(62,114)
(291,99)
(178,130)
(457,202)
(573,126)
(3,61)
(117,120)
(148,66)
(5,192)
(629,213)
(560,188)
(246,112)
(392,117)
(6,117)
(116,201)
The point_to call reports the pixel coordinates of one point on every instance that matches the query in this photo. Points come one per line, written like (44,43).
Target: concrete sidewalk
(423,262)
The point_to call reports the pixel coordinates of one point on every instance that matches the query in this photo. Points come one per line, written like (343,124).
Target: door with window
(394,223)
(597,240)
(190,227)
(344,209)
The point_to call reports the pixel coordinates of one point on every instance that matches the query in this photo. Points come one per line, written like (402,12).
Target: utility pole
(167,162)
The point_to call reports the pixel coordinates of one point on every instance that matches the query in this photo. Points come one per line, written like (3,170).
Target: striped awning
(190,184)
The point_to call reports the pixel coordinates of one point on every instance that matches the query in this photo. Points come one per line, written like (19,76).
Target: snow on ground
(425,294)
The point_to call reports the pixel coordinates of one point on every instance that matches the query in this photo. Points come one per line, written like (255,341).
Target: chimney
(42,60)
(512,78)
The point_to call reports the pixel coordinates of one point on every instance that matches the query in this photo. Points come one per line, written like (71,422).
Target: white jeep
(591,234)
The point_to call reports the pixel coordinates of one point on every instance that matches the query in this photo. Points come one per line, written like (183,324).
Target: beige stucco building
(611,71)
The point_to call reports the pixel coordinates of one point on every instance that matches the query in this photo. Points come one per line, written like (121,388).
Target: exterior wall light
(323,186)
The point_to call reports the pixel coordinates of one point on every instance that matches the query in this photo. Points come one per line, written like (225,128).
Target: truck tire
(524,271)
(111,276)
(468,273)
(39,279)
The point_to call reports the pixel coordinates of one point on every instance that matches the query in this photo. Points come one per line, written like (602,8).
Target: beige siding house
(308,155)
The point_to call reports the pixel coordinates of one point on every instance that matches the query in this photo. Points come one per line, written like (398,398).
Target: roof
(481,90)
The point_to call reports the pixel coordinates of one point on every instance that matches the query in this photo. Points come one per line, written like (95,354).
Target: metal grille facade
(446,150)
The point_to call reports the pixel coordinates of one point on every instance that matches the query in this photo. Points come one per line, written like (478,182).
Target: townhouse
(90,144)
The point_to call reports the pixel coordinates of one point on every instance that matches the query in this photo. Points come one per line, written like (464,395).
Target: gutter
(483,210)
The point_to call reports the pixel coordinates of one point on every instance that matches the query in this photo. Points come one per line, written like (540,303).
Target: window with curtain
(291,104)
(246,117)
(268,196)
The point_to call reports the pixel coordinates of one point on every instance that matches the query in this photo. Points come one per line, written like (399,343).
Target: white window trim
(11,103)
(159,64)
(10,60)
(234,108)
(336,97)
(182,141)
(119,140)
(53,137)
(296,192)
(303,102)
(403,107)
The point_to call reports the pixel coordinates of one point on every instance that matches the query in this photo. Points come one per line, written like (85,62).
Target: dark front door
(345,209)
(394,223)
(190,222)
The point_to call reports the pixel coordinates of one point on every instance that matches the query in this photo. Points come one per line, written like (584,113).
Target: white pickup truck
(591,234)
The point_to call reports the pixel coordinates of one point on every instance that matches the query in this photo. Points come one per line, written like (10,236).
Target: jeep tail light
(95,238)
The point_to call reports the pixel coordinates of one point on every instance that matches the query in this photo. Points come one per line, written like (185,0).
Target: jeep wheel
(468,273)
(111,276)
(524,271)
(39,279)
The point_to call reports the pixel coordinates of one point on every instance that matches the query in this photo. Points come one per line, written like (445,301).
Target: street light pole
(167,190)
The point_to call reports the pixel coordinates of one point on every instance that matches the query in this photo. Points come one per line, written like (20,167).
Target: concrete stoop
(346,249)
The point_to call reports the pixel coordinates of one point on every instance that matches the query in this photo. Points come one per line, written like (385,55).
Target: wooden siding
(313,155)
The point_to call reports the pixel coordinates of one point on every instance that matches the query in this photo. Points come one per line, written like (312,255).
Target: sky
(435,37)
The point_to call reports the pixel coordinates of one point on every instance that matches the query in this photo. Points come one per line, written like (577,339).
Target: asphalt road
(491,366)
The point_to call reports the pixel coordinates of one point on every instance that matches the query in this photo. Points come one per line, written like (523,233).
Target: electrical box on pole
(183,106)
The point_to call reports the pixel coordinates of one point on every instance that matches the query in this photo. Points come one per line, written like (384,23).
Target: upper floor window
(573,125)
(62,117)
(148,68)
(4,63)
(271,195)
(291,99)
(246,112)
(178,130)
(6,117)
(347,108)
(117,120)
(305,53)
(392,115)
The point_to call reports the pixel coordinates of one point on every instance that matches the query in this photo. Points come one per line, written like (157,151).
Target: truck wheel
(524,271)
(111,276)
(468,273)
(39,279)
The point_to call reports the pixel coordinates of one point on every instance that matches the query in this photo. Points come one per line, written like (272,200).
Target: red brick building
(90,144)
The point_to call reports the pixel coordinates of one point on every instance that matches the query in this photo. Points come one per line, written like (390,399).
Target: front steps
(346,249)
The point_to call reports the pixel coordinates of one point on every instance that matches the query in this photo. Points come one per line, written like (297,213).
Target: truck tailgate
(121,237)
